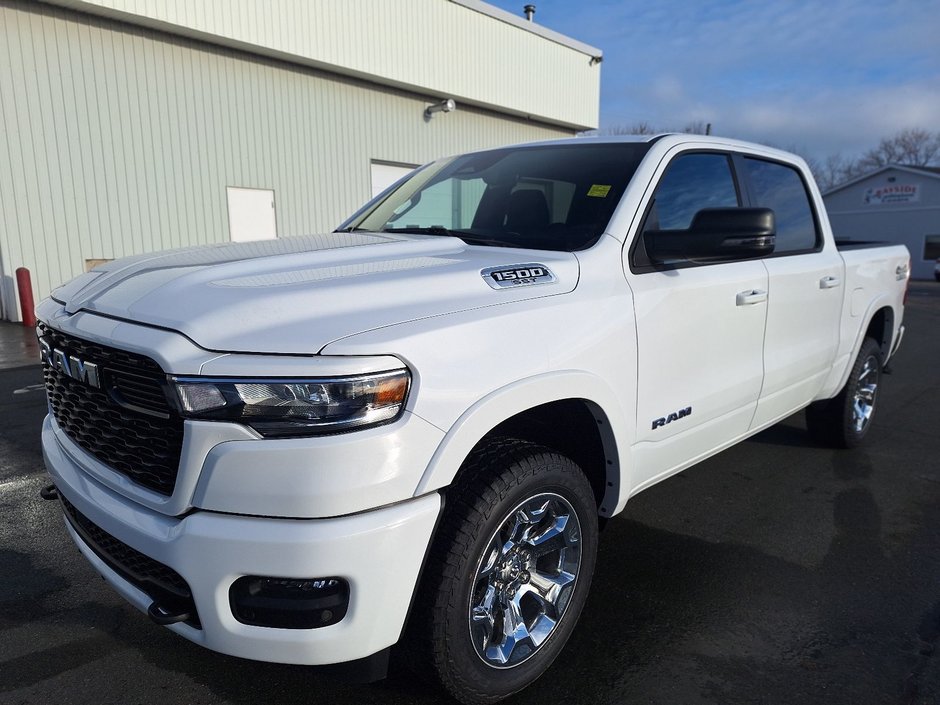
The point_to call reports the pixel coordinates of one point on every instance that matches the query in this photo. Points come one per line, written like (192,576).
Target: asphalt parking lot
(776,572)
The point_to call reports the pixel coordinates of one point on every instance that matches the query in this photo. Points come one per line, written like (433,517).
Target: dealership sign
(892,193)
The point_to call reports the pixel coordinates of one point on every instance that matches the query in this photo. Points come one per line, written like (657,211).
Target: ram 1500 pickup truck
(410,430)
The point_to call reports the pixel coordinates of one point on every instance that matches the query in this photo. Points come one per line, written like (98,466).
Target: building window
(932,247)
(251,214)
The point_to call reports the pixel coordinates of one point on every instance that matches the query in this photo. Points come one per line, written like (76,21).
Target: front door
(700,330)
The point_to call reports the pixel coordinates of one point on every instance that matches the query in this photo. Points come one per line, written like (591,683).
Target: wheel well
(572,427)
(881,328)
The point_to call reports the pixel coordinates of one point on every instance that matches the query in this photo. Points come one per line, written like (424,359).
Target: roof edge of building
(921,171)
(530,26)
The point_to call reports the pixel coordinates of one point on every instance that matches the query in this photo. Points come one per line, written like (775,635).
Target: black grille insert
(127,423)
(159,581)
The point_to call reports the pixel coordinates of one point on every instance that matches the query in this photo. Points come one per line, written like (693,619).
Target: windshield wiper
(467,237)
(423,230)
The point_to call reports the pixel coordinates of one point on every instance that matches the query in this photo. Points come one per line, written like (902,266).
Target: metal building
(900,204)
(138,125)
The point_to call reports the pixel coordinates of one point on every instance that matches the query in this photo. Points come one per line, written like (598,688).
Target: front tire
(844,420)
(509,571)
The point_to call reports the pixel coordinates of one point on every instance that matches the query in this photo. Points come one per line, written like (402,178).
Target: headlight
(296,407)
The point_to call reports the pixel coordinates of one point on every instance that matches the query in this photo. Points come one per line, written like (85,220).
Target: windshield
(548,197)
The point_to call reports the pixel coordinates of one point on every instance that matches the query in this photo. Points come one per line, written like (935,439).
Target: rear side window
(780,187)
(692,182)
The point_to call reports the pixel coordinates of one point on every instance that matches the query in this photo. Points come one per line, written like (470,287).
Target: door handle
(751,297)
(829,282)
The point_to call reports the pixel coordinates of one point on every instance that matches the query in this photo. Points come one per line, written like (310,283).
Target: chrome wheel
(509,570)
(863,402)
(524,580)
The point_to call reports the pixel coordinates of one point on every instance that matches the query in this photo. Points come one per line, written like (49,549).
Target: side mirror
(716,234)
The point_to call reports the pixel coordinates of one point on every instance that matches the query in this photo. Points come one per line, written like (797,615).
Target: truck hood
(298,294)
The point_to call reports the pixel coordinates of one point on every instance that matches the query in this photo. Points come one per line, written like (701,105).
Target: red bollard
(25,288)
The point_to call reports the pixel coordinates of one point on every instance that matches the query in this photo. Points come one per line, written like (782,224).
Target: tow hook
(49,492)
(165,615)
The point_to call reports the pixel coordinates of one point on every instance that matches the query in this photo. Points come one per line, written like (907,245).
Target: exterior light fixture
(445,106)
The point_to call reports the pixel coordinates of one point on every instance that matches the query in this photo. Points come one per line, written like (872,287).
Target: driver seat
(527,210)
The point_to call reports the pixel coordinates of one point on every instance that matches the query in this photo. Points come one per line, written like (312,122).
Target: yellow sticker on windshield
(599,190)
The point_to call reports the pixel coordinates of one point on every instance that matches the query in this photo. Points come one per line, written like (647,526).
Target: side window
(780,187)
(691,182)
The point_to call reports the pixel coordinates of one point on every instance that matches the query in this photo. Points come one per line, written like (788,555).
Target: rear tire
(509,570)
(844,420)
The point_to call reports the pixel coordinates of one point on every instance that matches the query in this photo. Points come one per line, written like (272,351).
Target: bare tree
(697,127)
(638,128)
(911,147)
(642,127)
(832,171)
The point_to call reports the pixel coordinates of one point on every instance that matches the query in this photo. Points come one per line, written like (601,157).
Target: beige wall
(119,140)
(466,50)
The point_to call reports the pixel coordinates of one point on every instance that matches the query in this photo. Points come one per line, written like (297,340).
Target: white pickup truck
(410,430)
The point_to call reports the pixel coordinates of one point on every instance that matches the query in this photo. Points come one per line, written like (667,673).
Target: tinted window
(692,182)
(449,204)
(780,188)
(546,197)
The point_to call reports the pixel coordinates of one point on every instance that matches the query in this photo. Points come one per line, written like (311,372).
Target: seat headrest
(527,209)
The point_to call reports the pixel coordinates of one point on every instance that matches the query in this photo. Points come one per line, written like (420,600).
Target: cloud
(844,119)
(668,89)
(825,76)
(848,120)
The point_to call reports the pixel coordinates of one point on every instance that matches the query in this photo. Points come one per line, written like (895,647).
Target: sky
(818,77)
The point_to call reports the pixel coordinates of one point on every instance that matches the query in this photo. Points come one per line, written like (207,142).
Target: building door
(251,214)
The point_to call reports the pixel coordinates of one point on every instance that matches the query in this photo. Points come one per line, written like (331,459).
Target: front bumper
(378,552)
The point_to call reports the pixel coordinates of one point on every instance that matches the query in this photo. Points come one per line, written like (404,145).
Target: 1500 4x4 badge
(512,275)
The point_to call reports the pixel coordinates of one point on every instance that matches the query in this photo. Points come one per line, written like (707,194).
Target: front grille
(127,424)
(159,581)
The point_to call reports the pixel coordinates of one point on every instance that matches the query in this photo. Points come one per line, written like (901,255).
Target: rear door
(805,291)
(700,328)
